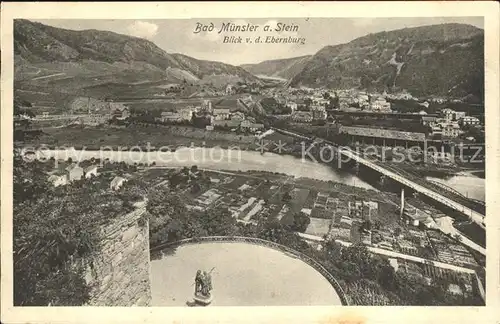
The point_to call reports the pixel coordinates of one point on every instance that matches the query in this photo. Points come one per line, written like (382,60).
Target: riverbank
(141,136)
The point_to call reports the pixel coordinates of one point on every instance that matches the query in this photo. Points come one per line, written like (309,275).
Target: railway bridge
(473,215)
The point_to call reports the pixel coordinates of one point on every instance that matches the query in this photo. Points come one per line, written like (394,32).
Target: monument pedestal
(203,300)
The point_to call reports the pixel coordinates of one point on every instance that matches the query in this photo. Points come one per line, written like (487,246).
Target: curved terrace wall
(257,241)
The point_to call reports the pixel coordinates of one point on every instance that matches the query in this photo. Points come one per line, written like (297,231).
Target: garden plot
(318,227)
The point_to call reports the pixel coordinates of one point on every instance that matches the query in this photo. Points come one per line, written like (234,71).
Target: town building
(118,110)
(416,217)
(58,179)
(429,120)
(450,130)
(469,120)
(117,182)
(345,222)
(186,113)
(75,172)
(221,113)
(230,89)
(424,104)
(237,116)
(170,116)
(206,106)
(451,115)
(459,115)
(380,104)
(362,97)
(318,112)
(436,130)
(302,116)
(253,127)
(91,171)
(448,114)
(292,105)
(63,176)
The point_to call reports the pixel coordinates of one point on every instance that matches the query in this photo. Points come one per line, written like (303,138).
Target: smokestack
(402,203)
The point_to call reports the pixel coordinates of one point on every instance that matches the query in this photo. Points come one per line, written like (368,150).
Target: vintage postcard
(224,162)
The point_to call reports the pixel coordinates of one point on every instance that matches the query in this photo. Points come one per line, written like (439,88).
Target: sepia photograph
(262,161)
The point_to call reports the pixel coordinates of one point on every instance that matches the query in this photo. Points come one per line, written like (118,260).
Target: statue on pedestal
(203,287)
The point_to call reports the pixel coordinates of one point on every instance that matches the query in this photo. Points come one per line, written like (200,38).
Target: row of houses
(449,123)
(111,110)
(315,113)
(74,172)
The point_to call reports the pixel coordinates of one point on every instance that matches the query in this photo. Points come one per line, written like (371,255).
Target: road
(48,76)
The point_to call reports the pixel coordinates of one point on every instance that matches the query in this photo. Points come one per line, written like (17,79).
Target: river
(234,160)
(244,275)
(468,185)
(219,159)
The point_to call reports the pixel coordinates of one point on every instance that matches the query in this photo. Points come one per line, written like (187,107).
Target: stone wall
(120,273)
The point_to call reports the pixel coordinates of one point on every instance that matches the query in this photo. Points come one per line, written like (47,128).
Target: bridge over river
(473,215)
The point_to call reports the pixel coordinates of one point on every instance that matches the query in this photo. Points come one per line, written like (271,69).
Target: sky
(178,35)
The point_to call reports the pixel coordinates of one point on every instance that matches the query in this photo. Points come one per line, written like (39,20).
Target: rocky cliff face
(443,59)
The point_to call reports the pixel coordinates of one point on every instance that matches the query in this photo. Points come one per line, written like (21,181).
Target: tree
(286,197)
(195,188)
(272,230)
(300,222)
(29,179)
(176,179)
(219,222)
(48,237)
(22,123)
(308,102)
(169,218)
(333,249)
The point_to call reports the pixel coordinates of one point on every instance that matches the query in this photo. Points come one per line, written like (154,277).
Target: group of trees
(272,107)
(55,226)
(170,219)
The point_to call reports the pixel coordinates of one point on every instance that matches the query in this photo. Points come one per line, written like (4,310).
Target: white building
(221,113)
(424,104)
(450,129)
(230,89)
(58,180)
(292,105)
(117,182)
(469,120)
(75,172)
(91,171)
(380,104)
